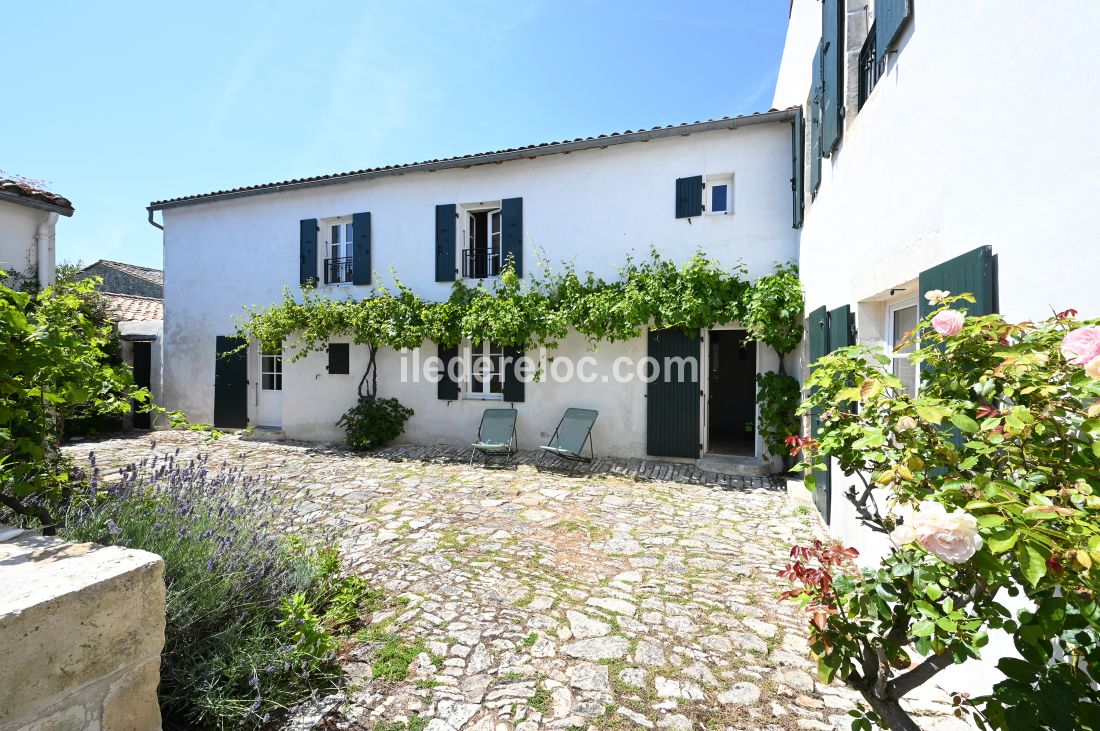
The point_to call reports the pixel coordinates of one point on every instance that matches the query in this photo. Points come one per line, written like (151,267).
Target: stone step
(734,465)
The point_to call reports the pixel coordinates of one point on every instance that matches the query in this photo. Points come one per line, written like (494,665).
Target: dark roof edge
(554,148)
(24,200)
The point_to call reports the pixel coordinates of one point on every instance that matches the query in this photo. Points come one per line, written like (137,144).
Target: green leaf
(1032,563)
(964,423)
(1002,541)
(933,591)
(922,628)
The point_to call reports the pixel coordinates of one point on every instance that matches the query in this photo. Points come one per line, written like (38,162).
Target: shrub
(778,398)
(992,473)
(373,423)
(247,634)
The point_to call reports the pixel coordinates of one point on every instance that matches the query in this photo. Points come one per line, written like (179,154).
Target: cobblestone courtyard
(554,601)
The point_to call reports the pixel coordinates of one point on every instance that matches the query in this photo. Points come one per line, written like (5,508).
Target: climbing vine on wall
(540,310)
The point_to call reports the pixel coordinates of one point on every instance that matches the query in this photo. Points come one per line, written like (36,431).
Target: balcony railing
(869,67)
(338,271)
(480,263)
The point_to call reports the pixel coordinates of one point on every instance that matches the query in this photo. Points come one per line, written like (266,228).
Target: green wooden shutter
(841,330)
(689,196)
(973,272)
(817,330)
(339,359)
(447,388)
(890,17)
(511,235)
(814,105)
(445,216)
(360,249)
(308,251)
(832,73)
(672,398)
(798,143)
(513,387)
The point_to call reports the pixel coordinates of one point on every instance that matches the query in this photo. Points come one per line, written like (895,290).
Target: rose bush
(991,475)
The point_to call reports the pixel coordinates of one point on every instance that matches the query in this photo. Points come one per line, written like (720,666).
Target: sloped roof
(129,308)
(483,158)
(156,276)
(28,194)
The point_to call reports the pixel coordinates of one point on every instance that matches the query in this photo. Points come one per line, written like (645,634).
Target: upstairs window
(481,255)
(337,237)
(719,195)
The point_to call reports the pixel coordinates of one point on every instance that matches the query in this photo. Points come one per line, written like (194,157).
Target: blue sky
(115,105)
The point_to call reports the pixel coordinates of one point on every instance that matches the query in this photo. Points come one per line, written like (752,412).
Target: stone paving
(556,600)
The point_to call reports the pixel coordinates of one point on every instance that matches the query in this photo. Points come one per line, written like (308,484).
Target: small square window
(339,359)
(719,197)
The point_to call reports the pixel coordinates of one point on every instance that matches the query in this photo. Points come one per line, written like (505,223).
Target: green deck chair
(496,436)
(574,429)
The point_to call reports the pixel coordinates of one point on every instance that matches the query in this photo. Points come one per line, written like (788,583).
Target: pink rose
(952,537)
(1092,368)
(1081,345)
(948,322)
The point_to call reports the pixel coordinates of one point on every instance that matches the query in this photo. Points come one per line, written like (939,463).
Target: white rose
(935,296)
(904,533)
(952,537)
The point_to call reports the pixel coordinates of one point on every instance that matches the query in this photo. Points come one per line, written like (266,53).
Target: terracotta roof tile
(156,276)
(129,308)
(30,192)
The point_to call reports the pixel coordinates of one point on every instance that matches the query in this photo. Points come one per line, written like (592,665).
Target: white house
(28,226)
(589,201)
(949,146)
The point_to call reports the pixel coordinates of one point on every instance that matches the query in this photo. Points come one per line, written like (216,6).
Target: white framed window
(718,195)
(337,235)
(271,371)
(480,254)
(485,376)
(901,319)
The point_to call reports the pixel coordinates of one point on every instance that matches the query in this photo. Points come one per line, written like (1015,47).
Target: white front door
(269,410)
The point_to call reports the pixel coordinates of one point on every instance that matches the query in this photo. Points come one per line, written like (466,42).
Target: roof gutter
(35,203)
(151,221)
(556,148)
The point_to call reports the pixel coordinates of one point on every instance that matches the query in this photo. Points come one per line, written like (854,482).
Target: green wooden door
(230,384)
(817,328)
(672,408)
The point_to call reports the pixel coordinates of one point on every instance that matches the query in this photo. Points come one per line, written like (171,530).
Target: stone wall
(81,627)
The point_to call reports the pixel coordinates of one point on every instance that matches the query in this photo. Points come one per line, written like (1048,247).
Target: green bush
(778,398)
(248,630)
(372,423)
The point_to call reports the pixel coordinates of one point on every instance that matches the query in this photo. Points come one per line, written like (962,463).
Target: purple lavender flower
(254,681)
(112,527)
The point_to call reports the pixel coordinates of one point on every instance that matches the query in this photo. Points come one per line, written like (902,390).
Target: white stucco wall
(19,245)
(591,207)
(974,135)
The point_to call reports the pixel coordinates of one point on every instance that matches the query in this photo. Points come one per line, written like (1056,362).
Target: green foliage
(773,310)
(1003,436)
(392,658)
(372,423)
(778,397)
(251,611)
(53,363)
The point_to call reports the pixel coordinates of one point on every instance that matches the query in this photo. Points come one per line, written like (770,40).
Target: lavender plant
(245,635)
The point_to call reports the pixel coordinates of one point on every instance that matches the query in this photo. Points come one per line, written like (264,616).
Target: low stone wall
(81,630)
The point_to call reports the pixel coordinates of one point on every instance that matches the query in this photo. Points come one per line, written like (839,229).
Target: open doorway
(731,402)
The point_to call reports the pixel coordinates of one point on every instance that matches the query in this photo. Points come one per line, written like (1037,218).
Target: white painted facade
(979,132)
(592,207)
(28,241)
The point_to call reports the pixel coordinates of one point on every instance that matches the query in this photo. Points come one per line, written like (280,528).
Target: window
(869,67)
(481,255)
(339,359)
(271,371)
(338,236)
(486,375)
(901,319)
(719,195)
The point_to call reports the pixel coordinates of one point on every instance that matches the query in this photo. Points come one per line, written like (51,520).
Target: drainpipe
(151,221)
(45,239)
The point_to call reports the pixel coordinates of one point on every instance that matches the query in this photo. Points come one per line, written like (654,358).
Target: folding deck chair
(496,436)
(574,429)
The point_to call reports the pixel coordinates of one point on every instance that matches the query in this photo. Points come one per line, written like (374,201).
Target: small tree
(991,476)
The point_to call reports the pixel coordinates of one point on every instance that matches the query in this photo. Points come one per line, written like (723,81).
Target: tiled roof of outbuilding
(129,308)
(480,158)
(156,276)
(21,191)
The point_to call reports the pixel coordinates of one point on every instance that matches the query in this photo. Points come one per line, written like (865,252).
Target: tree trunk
(890,711)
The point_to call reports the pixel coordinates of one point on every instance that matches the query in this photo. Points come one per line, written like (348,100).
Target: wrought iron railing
(869,67)
(480,263)
(338,271)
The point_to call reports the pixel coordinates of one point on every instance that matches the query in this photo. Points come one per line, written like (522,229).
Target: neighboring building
(949,146)
(121,278)
(28,225)
(590,201)
(134,300)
